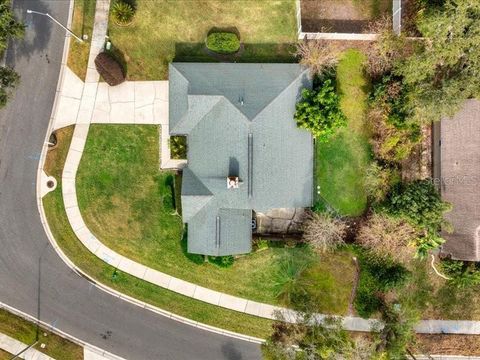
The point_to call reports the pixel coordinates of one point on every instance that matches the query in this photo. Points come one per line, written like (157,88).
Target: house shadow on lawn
(195,258)
(252,53)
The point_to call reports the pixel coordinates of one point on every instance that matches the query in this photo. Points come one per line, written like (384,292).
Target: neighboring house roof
(238,119)
(460,181)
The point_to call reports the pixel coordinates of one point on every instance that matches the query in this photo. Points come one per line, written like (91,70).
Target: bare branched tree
(388,237)
(317,55)
(323,232)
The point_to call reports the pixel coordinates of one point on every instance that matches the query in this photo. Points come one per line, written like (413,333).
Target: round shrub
(110,70)
(123,12)
(223,42)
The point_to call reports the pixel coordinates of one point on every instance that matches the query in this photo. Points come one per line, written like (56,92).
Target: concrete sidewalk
(14,347)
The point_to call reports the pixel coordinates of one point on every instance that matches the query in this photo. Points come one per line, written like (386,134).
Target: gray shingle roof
(238,119)
(460,181)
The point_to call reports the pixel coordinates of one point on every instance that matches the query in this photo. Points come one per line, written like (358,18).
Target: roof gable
(249,87)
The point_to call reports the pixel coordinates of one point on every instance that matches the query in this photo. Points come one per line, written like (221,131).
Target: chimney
(232,182)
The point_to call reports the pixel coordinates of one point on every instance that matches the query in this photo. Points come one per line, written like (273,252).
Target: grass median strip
(82,24)
(25,331)
(127,284)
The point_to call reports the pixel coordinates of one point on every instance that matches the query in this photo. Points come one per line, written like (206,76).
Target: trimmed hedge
(223,42)
(109,69)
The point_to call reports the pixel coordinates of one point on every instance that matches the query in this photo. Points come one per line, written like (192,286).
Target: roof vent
(241,101)
(233,182)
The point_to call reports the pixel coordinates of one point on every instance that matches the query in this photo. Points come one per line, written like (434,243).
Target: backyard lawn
(127,203)
(340,163)
(82,23)
(165,30)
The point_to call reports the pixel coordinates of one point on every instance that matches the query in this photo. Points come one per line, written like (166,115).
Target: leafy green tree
(420,204)
(319,111)
(8,80)
(443,71)
(9,26)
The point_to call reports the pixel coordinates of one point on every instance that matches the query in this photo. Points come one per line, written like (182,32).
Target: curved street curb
(79,271)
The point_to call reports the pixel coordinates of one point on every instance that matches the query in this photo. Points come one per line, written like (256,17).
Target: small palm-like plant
(123,13)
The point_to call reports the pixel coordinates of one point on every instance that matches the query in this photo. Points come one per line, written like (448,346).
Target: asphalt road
(32,277)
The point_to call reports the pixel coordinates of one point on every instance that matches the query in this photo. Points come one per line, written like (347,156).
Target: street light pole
(56,21)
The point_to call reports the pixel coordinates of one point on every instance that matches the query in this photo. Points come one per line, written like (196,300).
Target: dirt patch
(343,16)
(467,345)
(437,344)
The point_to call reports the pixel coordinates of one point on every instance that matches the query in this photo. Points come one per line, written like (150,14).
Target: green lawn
(127,203)
(82,23)
(340,164)
(164,30)
(25,331)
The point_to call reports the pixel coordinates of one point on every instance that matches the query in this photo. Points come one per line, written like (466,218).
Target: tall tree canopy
(10,27)
(445,69)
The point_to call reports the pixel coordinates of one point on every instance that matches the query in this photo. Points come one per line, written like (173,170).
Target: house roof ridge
(305,70)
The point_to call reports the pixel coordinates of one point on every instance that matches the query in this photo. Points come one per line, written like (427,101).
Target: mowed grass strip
(341,163)
(127,203)
(82,24)
(25,331)
(164,30)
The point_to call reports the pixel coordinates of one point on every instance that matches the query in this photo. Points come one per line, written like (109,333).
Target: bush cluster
(420,204)
(178,147)
(378,275)
(222,261)
(394,137)
(463,274)
(223,42)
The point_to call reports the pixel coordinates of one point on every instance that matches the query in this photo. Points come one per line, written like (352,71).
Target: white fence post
(299,18)
(397,16)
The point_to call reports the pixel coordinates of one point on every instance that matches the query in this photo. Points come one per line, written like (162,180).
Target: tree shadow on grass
(252,53)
